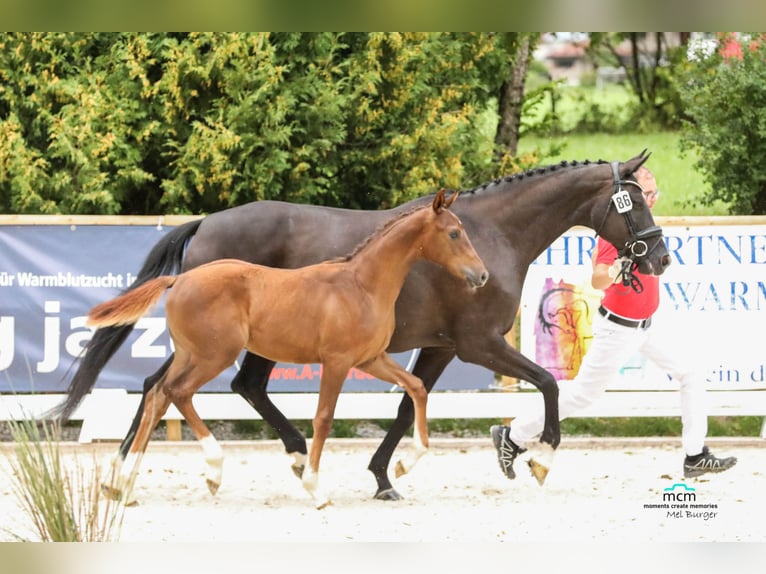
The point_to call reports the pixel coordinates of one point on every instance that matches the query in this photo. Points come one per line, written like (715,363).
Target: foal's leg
(154,407)
(181,389)
(386,369)
(211,448)
(127,442)
(329,389)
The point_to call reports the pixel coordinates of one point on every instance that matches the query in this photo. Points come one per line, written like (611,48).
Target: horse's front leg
(496,354)
(386,369)
(429,366)
(330,386)
(251,382)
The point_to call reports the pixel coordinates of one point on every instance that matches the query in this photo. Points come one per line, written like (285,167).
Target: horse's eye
(454,234)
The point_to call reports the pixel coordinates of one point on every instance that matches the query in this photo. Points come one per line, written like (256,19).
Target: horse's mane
(378,232)
(516,177)
(537,171)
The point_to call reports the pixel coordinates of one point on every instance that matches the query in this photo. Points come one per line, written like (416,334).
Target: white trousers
(610,349)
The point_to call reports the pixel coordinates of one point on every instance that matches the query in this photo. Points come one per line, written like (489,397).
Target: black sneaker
(706,461)
(507,450)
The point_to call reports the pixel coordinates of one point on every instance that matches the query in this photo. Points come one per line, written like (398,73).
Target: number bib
(622,201)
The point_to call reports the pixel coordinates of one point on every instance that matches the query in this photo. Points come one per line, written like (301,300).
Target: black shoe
(706,461)
(507,450)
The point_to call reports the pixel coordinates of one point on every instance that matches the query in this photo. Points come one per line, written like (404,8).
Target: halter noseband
(637,247)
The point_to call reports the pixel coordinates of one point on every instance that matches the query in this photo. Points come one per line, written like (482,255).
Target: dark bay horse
(338,313)
(511,221)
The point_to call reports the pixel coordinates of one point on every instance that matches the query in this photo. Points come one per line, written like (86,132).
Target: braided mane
(535,172)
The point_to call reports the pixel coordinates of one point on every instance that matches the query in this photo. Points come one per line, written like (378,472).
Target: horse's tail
(129,307)
(165,258)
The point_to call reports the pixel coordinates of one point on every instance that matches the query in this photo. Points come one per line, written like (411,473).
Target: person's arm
(604,274)
(600,278)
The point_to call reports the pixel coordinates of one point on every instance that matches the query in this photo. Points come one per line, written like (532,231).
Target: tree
(650,61)
(725,98)
(519,48)
(143,123)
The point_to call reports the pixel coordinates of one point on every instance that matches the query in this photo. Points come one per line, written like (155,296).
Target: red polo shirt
(621,299)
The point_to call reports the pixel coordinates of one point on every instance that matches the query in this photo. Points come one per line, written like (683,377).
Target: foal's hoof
(298,469)
(323,504)
(212,486)
(116,494)
(111,492)
(400,469)
(539,470)
(388,494)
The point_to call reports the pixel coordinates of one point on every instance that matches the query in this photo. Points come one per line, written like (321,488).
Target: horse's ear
(630,166)
(439,202)
(451,199)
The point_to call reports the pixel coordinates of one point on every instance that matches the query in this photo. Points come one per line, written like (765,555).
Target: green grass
(749,426)
(604,113)
(680,183)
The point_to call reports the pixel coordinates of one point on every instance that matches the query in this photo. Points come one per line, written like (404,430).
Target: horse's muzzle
(477,279)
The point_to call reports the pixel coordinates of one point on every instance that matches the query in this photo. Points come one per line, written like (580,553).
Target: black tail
(165,258)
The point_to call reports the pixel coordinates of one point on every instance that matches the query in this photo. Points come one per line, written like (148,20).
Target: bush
(726,101)
(63,503)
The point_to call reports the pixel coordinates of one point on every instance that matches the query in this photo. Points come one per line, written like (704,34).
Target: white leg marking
(310,482)
(213,458)
(300,459)
(418,450)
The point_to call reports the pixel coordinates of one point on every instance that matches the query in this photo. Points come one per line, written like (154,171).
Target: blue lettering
(682,294)
(736,254)
(757,244)
(711,296)
(735,296)
(585,253)
(673,245)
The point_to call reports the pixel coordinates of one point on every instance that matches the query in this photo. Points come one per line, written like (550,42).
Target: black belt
(632,323)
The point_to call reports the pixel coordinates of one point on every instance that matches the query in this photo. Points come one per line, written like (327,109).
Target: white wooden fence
(106,413)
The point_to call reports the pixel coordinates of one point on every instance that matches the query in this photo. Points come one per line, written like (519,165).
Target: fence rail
(106,413)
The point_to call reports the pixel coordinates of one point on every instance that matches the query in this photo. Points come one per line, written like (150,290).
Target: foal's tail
(165,258)
(129,307)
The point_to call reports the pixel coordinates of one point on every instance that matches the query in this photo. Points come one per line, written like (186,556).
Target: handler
(621,328)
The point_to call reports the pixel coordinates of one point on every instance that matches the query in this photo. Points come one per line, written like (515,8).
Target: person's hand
(615,269)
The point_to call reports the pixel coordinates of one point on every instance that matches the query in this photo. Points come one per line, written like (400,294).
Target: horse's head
(627,222)
(448,244)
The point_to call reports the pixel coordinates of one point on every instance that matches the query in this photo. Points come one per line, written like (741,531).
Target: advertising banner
(50,277)
(712,307)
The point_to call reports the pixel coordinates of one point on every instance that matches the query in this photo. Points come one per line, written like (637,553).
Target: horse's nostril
(666,260)
(484,277)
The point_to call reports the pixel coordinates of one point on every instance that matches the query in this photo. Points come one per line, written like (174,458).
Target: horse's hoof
(539,471)
(298,469)
(323,504)
(212,486)
(388,494)
(399,469)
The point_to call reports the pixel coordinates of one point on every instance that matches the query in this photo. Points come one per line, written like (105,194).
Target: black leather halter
(637,247)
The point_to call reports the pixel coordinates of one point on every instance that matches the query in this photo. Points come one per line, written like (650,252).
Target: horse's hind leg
(130,436)
(386,369)
(210,447)
(154,407)
(251,382)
